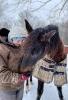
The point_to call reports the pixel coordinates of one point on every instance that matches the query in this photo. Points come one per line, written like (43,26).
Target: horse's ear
(28,26)
(47,36)
(50,34)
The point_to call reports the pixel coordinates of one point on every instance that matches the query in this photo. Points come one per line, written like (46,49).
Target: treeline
(63,28)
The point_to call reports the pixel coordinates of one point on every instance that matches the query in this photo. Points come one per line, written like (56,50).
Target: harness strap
(53,62)
(46,69)
(61,64)
(59,73)
(48,60)
(52,66)
(52,70)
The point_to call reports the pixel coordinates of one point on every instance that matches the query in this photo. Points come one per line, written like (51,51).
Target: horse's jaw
(31,60)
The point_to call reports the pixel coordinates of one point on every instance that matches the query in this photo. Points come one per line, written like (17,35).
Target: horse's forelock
(54,41)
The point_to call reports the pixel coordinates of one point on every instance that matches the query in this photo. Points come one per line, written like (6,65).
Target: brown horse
(54,48)
(35,46)
(57,53)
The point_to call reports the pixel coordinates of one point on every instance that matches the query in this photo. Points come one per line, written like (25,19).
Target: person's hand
(22,78)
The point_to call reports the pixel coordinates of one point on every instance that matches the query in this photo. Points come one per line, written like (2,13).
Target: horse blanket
(48,70)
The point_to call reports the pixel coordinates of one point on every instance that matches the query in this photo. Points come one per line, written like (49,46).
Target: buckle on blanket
(46,69)
(49,61)
(61,64)
(51,66)
(53,62)
(58,73)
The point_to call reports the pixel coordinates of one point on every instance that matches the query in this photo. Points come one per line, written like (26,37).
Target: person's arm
(7,75)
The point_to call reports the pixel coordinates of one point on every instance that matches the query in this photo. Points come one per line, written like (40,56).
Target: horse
(57,52)
(54,49)
(35,46)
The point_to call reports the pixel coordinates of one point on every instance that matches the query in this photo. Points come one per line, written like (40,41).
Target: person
(4,34)
(11,83)
(16,39)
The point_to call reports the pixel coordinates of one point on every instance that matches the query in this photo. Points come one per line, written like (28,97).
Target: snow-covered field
(50,91)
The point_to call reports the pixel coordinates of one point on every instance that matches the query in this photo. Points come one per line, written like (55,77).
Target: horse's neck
(59,55)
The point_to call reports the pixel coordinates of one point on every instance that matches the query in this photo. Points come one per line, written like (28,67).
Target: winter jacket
(9,68)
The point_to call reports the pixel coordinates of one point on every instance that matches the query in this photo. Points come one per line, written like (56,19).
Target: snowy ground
(50,92)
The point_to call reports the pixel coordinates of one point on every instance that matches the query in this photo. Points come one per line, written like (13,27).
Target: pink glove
(23,78)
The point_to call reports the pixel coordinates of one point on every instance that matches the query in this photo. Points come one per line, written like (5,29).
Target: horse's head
(36,44)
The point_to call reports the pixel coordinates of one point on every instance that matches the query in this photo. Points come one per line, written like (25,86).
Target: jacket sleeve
(6,75)
(8,60)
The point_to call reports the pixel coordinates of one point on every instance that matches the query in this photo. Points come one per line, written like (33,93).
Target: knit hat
(17,33)
(4,32)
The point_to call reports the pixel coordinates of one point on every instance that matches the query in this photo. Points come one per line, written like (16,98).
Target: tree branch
(63,6)
(41,6)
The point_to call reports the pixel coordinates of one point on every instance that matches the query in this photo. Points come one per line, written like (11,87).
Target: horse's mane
(56,47)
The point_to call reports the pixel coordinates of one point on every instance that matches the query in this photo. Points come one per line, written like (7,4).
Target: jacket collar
(8,44)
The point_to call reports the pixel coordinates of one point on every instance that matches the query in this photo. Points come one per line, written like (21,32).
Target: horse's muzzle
(27,74)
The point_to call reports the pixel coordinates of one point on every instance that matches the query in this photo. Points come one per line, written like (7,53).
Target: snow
(50,91)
